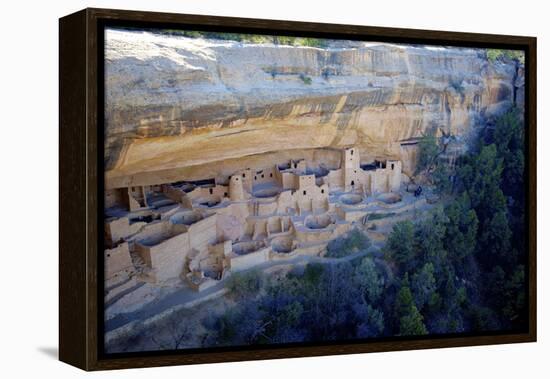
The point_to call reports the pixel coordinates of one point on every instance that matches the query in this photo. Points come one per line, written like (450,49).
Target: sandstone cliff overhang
(178,106)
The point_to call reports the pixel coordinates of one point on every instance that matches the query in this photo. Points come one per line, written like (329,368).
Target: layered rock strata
(179,108)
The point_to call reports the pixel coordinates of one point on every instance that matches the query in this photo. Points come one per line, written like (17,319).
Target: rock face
(181,108)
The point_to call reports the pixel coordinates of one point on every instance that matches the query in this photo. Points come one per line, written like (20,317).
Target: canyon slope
(179,108)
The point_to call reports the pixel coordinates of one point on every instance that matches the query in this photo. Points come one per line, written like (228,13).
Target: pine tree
(412,324)
(423,285)
(400,245)
(404,298)
(427,151)
(429,236)
(368,281)
(410,319)
(461,232)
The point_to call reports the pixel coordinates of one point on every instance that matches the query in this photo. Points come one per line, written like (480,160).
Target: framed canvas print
(237,189)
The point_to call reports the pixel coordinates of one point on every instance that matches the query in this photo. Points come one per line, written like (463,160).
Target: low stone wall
(399,207)
(203,284)
(311,250)
(117,259)
(265,208)
(168,258)
(177,195)
(352,215)
(304,234)
(275,256)
(243,262)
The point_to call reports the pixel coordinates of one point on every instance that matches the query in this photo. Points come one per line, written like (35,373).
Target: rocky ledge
(179,107)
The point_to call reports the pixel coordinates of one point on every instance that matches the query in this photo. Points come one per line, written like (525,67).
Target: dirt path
(186,295)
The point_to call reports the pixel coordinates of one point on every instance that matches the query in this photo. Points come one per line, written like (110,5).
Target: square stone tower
(350,169)
(394,169)
(236,192)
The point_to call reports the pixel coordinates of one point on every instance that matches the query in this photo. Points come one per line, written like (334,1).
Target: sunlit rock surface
(181,108)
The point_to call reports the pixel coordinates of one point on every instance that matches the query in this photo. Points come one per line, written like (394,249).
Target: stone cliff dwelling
(233,162)
(202,231)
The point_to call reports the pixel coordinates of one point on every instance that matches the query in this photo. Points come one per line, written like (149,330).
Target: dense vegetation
(242,37)
(459,269)
(355,241)
(324,302)
(499,54)
(475,244)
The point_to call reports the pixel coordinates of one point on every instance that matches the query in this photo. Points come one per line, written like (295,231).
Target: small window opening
(304,192)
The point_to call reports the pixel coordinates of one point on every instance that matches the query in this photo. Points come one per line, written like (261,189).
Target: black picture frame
(81,184)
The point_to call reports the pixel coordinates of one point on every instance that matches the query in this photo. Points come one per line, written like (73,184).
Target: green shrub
(354,241)
(493,54)
(306,79)
(427,151)
(245,284)
(498,54)
(243,37)
(311,42)
(284,40)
